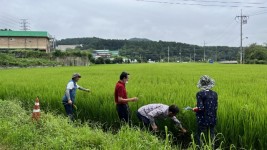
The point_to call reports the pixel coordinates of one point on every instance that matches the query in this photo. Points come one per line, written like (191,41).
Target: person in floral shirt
(206,109)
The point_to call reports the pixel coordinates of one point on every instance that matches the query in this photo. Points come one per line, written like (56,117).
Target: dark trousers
(123,112)
(69,111)
(205,130)
(143,119)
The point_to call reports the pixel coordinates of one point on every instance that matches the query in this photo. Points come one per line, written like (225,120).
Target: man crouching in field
(148,113)
(70,93)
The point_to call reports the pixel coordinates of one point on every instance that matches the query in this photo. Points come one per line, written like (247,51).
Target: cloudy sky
(189,21)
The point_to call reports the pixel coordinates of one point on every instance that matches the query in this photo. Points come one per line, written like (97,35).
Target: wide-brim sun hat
(205,82)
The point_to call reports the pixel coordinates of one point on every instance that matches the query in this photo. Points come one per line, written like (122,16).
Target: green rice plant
(241,90)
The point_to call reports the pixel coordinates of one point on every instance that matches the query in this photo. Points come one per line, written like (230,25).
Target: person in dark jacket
(206,109)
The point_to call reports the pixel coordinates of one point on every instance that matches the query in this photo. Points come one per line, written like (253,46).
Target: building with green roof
(35,40)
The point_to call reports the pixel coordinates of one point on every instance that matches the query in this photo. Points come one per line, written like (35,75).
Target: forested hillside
(145,49)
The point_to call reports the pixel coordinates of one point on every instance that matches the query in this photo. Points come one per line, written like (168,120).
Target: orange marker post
(36,113)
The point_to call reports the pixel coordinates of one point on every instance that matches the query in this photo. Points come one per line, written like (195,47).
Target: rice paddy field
(242,95)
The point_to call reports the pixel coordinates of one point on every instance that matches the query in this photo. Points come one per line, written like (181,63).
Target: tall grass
(241,90)
(18,131)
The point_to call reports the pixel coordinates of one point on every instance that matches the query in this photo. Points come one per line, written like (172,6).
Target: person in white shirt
(148,113)
(70,93)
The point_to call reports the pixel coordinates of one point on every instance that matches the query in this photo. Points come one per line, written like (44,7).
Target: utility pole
(190,58)
(54,43)
(216,54)
(243,20)
(180,53)
(168,54)
(24,25)
(204,52)
(194,54)
(244,50)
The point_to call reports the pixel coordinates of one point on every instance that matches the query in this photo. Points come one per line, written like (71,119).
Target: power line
(198,4)
(6,24)
(204,54)
(236,2)
(260,13)
(9,17)
(7,21)
(223,33)
(243,20)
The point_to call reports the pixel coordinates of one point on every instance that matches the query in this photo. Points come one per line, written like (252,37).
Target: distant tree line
(143,49)
(101,60)
(256,54)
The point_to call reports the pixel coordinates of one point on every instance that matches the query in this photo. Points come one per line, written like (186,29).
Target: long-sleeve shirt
(207,105)
(153,111)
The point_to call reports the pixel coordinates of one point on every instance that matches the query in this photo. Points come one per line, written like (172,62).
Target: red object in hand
(195,109)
